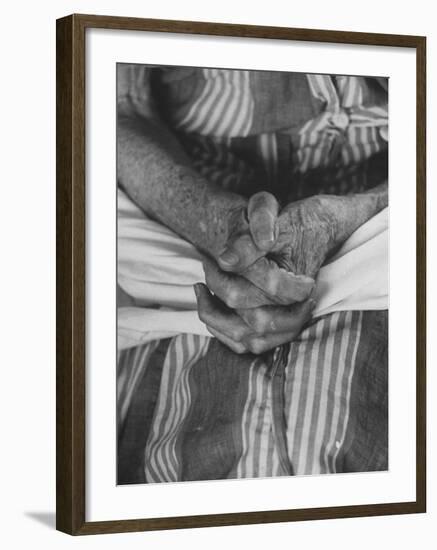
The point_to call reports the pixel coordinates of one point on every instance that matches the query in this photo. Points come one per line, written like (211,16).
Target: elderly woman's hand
(246,317)
(305,233)
(255,330)
(249,275)
(271,264)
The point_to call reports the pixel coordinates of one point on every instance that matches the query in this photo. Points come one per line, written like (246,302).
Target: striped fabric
(345,133)
(259,455)
(285,126)
(130,367)
(211,414)
(319,370)
(174,400)
(317,391)
(225,106)
(345,129)
(214,159)
(268,151)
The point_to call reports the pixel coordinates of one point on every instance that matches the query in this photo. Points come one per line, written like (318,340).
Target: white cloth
(157,268)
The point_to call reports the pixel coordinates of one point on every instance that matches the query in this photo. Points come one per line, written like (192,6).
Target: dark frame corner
(70,274)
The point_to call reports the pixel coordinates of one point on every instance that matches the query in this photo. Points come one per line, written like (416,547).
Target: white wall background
(27,229)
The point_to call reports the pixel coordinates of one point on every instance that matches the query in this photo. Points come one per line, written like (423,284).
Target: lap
(189,408)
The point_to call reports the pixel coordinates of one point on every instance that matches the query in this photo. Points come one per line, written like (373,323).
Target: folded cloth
(158,268)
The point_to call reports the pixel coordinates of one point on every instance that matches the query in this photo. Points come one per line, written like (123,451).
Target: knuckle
(232,298)
(256,346)
(259,321)
(262,197)
(238,347)
(238,334)
(263,201)
(272,285)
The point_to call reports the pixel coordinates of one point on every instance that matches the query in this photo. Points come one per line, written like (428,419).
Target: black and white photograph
(252,274)
(215,232)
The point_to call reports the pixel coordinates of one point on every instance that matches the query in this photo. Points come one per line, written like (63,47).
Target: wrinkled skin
(262,281)
(249,241)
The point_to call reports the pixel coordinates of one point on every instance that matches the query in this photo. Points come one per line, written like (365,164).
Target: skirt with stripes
(190,409)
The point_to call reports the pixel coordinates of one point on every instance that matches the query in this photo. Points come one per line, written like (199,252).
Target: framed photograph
(240,274)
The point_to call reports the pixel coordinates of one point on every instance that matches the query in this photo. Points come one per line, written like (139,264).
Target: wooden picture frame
(71,252)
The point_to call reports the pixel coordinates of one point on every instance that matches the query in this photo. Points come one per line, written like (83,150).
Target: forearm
(156,174)
(352,211)
(339,215)
(311,229)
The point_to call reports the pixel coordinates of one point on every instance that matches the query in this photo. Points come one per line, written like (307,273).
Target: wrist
(225,216)
(307,233)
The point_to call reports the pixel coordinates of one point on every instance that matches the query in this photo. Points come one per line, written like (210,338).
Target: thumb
(262,211)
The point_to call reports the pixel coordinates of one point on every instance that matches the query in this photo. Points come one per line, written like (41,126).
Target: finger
(238,347)
(240,253)
(255,344)
(262,344)
(262,212)
(269,319)
(233,290)
(283,286)
(214,314)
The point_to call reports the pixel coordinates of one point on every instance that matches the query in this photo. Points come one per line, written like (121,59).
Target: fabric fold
(158,268)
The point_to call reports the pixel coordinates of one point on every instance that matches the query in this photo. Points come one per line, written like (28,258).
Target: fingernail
(196,289)
(229,258)
(270,238)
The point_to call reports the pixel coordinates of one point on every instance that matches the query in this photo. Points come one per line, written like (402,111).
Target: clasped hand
(258,290)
